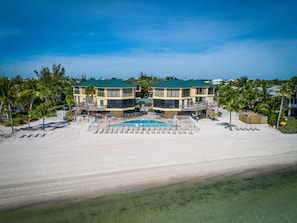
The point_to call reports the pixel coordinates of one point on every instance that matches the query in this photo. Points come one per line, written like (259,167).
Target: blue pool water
(144,124)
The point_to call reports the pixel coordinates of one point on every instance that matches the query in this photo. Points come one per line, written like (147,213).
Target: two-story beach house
(170,97)
(113,96)
(174,97)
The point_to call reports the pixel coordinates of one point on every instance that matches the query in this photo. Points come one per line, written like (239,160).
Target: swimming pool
(144,124)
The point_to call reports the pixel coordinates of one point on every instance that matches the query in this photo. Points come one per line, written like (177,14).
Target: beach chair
(30,135)
(256,128)
(153,131)
(158,130)
(242,127)
(43,134)
(168,130)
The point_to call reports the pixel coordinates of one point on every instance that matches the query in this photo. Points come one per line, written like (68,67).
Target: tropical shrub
(272,117)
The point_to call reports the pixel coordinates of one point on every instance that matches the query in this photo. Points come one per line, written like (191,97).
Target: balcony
(90,107)
(194,107)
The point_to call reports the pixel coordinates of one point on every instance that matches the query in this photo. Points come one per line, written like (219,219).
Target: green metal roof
(175,83)
(110,83)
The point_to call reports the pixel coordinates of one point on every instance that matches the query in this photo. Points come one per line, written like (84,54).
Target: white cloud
(265,60)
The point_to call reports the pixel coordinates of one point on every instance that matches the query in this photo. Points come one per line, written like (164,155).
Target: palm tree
(283,91)
(227,97)
(7,97)
(52,83)
(31,89)
(90,91)
(42,111)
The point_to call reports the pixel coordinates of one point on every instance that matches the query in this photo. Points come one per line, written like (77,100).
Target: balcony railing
(195,107)
(92,107)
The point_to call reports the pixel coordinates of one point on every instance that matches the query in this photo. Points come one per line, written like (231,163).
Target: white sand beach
(70,161)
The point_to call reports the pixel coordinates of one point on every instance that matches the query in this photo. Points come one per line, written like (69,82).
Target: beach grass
(266,197)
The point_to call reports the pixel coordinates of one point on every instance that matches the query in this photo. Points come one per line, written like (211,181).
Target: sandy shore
(70,161)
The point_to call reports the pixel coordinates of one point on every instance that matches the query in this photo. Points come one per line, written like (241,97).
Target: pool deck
(180,124)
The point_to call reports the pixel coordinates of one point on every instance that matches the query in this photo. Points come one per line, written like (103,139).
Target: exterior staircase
(211,114)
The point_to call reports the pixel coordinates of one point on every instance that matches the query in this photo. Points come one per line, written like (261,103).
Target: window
(89,99)
(210,90)
(186,93)
(200,99)
(166,103)
(200,90)
(121,103)
(101,92)
(83,90)
(113,93)
(76,90)
(127,92)
(172,92)
(159,92)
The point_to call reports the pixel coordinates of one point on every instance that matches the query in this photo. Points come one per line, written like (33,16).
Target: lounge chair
(168,130)
(158,130)
(22,136)
(43,134)
(29,136)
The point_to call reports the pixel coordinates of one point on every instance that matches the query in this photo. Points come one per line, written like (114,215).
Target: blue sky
(121,38)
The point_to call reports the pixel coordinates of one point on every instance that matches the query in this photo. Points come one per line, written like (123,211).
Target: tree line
(244,94)
(24,100)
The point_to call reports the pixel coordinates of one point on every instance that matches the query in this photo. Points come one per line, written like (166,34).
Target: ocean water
(265,197)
